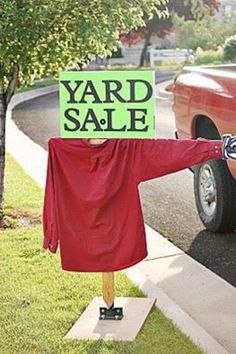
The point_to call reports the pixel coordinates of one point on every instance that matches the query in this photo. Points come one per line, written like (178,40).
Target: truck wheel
(215,196)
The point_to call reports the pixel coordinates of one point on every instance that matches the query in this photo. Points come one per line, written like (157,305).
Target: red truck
(205,106)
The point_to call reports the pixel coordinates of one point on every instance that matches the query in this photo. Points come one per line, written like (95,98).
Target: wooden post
(108,290)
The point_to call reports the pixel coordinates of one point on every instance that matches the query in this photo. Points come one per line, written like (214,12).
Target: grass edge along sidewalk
(51,81)
(40,302)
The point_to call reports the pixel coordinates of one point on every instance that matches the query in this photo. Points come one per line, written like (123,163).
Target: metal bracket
(113,313)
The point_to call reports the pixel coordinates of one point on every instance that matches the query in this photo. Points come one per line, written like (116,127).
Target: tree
(188,10)
(41,37)
(205,33)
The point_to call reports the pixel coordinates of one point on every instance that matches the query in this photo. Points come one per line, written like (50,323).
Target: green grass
(38,84)
(40,302)
(21,192)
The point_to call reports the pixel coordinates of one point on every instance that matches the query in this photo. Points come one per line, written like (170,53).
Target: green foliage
(117,53)
(230,49)
(200,9)
(41,38)
(206,33)
(213,57)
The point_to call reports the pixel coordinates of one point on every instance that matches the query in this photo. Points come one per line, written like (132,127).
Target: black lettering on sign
(109,122)
(106,116)
(71,91)
(134,90)
(109,91)
(134,119)
(91,119)
(72,119)
(90,90)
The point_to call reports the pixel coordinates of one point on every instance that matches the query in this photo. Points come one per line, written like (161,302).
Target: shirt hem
(112,269)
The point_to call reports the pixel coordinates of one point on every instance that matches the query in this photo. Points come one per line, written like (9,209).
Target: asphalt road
(168,202)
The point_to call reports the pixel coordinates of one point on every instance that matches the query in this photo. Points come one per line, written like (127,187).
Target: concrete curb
(174,312)
(29,95)
(150,275)
(31,156)
(166,94)
(161,92)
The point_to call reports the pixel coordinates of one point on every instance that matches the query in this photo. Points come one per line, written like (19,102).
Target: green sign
(107,104)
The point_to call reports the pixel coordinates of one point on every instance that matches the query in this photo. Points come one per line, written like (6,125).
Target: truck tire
(215,196)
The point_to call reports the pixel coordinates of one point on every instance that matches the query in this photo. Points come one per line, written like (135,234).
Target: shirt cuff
(51,246)
(216,152)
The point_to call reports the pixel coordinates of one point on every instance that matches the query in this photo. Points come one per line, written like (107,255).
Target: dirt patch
(13,219)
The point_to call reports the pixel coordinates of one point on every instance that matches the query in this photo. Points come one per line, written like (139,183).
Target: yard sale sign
(107,104)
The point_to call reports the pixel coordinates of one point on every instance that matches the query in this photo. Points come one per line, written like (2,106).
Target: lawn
(38,84)
(40,302)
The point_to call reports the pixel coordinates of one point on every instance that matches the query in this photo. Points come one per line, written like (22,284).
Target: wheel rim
(207,190)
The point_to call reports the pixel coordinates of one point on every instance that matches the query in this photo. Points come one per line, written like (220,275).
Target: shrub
(208,56)
(117,53)
(230,49)
(168,62)
(205,33)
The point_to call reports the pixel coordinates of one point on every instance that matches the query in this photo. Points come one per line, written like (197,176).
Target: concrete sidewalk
(199,302)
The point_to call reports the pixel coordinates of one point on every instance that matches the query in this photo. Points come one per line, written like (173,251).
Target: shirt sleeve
(50,240)
(158,157)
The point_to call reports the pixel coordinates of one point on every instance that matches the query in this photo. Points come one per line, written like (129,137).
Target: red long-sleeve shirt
(92,206)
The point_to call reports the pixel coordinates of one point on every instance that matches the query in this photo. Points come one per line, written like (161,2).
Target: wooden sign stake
(108,293)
